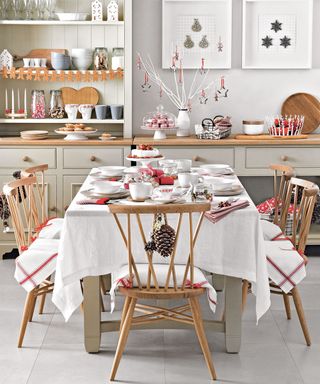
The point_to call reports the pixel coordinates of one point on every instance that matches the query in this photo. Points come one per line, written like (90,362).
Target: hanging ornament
(203,97)
(180,73)
(216,95)
(196,26)
(139,66)
(204,43)
(161,90)
(202,67)
(162,238)
(189,105)
(146,85)
(220,45)
(173,64)
(176,54)
(188,43)
(223,91)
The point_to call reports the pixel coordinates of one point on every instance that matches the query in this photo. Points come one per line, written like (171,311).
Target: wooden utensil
(306,105)
(269,137)
(42,54)
(86,95)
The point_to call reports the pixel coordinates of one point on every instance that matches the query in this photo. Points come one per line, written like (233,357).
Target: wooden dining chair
(178,281)
(302,215)
(23,202)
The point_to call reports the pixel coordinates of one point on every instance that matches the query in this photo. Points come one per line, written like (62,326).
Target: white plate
(114,186)
(235,190)
(96,195)
(111,171)
(72,16)
(162,200)
(107,138)
(76,135)
(145,159)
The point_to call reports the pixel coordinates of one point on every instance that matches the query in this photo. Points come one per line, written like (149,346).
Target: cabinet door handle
(25,158)
(196,158)
(66,207)
(93,158)
(284,158)
(53,209)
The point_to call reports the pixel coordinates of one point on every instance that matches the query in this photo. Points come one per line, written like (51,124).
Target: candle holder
(18,115)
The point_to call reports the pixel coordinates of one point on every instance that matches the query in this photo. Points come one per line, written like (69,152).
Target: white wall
(253,93)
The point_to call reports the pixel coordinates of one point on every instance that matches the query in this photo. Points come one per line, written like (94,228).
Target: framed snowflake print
(277,34)
(201,29)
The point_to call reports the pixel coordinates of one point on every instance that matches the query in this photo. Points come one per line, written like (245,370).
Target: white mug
(187,179)
(140,191)
(86,111)
(72,111)
(26,62)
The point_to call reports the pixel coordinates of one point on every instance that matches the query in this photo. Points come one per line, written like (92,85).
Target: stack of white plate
(34,135)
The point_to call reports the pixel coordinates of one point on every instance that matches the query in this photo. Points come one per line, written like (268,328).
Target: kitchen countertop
(55,141)
(313,139)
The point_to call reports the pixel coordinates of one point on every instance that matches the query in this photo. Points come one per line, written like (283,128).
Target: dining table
(231,250)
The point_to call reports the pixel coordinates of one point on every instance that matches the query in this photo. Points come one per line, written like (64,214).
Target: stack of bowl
(60,61)
(82,58)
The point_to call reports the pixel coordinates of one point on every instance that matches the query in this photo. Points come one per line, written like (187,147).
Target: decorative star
(276,26)
(285,41)
(267,41)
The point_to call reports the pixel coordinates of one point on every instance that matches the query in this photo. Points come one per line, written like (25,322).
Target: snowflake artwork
(6,60)
(277,33)
(96,11)
(220,45)
(113,11)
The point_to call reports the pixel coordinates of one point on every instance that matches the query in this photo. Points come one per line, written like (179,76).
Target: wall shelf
(58,22)
(59,121)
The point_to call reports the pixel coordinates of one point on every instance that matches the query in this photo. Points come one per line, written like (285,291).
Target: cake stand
(159,133)
(76,135)
(145,161)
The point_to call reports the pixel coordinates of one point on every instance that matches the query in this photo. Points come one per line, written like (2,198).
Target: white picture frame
(215,19)
(261,22)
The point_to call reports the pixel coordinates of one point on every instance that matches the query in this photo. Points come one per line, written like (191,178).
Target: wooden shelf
(58,22)
(59,121)
(72,75)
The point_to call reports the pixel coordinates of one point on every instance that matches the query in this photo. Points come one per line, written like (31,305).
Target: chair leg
(32,307)
(43,300)
(245,288)
(286,300)
(25,317)
(123,338)
(124,311)
(298,304)
(198,324)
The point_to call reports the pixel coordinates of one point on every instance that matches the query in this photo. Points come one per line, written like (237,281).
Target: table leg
(92,313)
(233,314)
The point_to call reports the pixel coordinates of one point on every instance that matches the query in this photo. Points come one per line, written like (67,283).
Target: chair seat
(51,229)
(36,263)
(270,230)
(120,280)
(286,267)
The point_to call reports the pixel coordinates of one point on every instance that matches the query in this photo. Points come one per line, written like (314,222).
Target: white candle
(25,101)
(6,110)
(18,100)
(12,102)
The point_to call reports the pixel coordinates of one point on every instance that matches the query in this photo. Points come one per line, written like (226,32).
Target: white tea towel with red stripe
(216,213)
(36,263)
(270,230)
(51,229)
(120,279)
(286,266)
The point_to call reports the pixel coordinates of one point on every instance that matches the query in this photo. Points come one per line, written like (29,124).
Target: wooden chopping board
(44,54)
(269,137)
(306,105)
(86,95)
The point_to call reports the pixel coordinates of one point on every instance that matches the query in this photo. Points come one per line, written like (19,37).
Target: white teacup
(26,62)
(72,111)
(102,186)
(37,63)
(184,165)
(140,191)
(86,111)
(187,179)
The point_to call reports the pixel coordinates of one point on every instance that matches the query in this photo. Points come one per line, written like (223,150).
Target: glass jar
(56,108)
(202,192)
(117,58)
(38,104)
(100,58)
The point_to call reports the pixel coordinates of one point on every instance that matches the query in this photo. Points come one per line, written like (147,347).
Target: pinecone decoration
(150,246)
(164,239)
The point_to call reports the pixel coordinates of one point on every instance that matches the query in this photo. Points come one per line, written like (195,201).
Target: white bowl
(81,52)
(215,168)
(82,64)
(111,171)
(79,16)
(218,183)
(102,186)
(253,127)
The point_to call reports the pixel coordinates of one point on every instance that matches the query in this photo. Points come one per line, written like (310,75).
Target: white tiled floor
(273,352)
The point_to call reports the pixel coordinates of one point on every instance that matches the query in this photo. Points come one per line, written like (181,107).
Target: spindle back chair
(174,285)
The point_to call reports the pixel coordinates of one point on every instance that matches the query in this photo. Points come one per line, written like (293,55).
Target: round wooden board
(306,105)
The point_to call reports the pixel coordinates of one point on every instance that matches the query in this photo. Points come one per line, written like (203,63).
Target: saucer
(123,193)
(233,191)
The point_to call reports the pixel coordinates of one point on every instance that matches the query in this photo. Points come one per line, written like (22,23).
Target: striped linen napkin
(216,214)
(103,201)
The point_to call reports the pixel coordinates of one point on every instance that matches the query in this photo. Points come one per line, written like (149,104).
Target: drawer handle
(284,158)
(53,209)
(25,158)
(66,207)
(196,158)
(93,158)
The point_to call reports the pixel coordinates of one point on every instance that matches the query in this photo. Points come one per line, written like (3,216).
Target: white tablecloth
(91,245)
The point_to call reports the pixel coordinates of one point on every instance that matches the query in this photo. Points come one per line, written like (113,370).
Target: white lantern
(96,11)
(113,11)
(6,60)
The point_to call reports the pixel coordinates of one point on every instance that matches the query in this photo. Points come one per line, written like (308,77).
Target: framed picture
(277,34)
(201,29)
